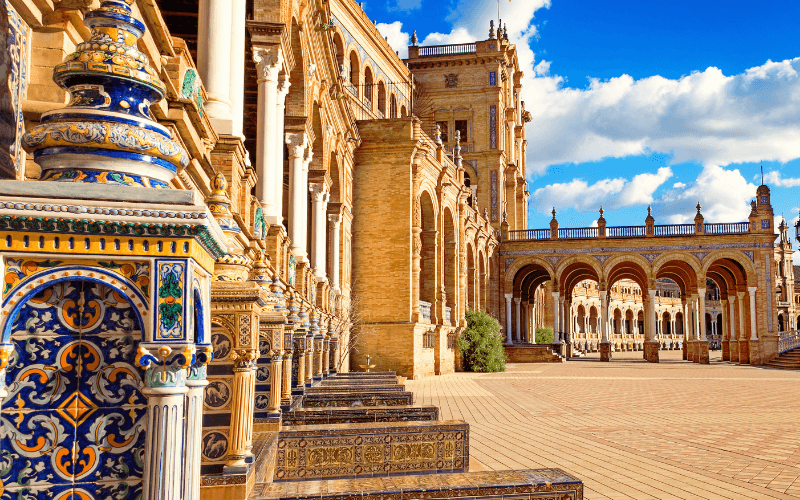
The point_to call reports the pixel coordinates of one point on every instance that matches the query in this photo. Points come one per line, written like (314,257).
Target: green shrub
(545,336)
(481,344)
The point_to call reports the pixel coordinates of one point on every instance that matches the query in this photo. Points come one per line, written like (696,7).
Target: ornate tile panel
(352,450)
(358,399)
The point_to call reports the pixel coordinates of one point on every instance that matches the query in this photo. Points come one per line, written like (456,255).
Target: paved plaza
(631,429)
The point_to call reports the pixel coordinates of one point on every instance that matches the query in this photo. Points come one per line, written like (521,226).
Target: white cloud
(404,5)
(705,117)
(723,194)
(774,178)
(609,193)
(678,185)
(397,38)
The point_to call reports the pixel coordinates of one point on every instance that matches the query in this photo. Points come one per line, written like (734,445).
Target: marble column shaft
(319,204)
(603,316)
(236,68)
(518,334)
(213,59)
(269,61)
(509,334)
(298,193)
(701,314)
(556,318)
(753,333)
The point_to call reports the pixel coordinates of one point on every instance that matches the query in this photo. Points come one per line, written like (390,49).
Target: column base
(605,351)
(558,348)
(701,353)
(734,351)
(568,349)
(744,352)
(318,378)
(726,350)
(691,352)
(755,353)
(685,350)
(237,467)
(651,351)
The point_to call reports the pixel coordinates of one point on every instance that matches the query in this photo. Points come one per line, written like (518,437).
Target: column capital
(509,296)
(752,290)
(319,191)
(269,60)
(731,298)
(517,299)
(283,88)
(297,143)
(165,365)
(336,219)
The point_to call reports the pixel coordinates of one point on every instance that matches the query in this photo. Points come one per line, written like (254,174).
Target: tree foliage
(545,335)
(481,344)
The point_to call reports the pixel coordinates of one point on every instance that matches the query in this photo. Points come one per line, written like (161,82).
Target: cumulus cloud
(774,178)
(705,117)
(609,193)
(397,38)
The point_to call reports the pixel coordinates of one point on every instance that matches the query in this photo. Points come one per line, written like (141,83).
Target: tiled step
(547,484)
(365,450)
(362,398)
(325,416)
(325,389)
(235,485)
(365,375)
(359,381)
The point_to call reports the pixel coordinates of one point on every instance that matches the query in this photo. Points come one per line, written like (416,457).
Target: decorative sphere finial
(219,185)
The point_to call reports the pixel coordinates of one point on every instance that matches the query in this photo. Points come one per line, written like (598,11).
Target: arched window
(393,107)
(381,97)
(403,112)
(354,69)
(368,86)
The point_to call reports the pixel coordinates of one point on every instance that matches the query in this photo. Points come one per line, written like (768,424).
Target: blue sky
(640,102)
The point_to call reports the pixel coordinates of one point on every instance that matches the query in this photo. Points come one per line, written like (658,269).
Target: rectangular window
(443,131)
(493,194)
(492,78)
(765,224)
(461,127)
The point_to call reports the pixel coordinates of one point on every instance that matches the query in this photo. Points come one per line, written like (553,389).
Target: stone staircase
(789,360)
(359,435)
(533,353)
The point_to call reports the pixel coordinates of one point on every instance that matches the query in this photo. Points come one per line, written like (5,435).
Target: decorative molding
(268,62)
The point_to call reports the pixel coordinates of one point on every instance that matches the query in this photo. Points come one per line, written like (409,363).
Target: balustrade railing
(788,340)
(727,228)
(425,310)
(673,230)
(447,50)
(528,234)
(577,233)
(625,231)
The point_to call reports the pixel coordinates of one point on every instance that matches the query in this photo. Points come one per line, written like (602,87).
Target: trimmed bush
(545,336)
(481,344)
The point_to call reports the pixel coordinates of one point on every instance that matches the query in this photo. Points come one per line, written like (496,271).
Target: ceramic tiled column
(241,429)
(195,384)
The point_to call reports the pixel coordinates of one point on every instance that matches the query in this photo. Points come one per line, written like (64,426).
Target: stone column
(733,337)
(336,221)
(685,326)
(744,344)
(319,340)
(214,61)
(651,345)
(236,68)
(702,345)
(725,334)
(195,385)
(509,297)
(753,333)
(562,320)
(310,361)
(286,386)
(283,90)
(518,333)
(556,319)
(165,390)
(275,385)
(269,61)
(319,205)
(241,430)
(326,357)
(298,194)
(605,345)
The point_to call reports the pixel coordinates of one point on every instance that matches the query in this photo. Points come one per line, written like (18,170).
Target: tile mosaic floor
(633,430)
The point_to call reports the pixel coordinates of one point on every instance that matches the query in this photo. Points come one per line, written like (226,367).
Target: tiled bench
(324,389)
(324,416)
(371,449)
(536,484)
(362,398)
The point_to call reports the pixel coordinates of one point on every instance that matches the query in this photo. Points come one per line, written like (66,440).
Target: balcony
(425,311)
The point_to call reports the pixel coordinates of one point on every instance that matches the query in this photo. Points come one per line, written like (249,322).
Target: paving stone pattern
(634,430)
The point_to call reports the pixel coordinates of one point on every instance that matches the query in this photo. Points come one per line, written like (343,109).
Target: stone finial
(505,217)
(414,39)
(698,207)
(437,135)
(554,213)
(649,211)
(485,213)
(601,212)
(505,32)
(491,29)
(106,135)
(457,149)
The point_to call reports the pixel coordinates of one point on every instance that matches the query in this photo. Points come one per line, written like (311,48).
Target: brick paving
(630,429)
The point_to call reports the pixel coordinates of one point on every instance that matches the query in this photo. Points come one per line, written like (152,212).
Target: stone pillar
(744,344)
(326,357)
(556,318)
(518,334)
(651,345)
(283,90)
(165,390)
(298,193)
(310,359)
(702,346)
(319,226)
(275,385)
(241,430)
(685,326)
(509,297)
(605,345)
(732,334)
(562,321)
(725,343)
(754,349)
(286,386)
(269,61)
(336,221)
(195,384)
(236,68)
(214,61)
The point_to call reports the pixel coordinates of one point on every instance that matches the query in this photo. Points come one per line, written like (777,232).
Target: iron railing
(788,340)
(448,50)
